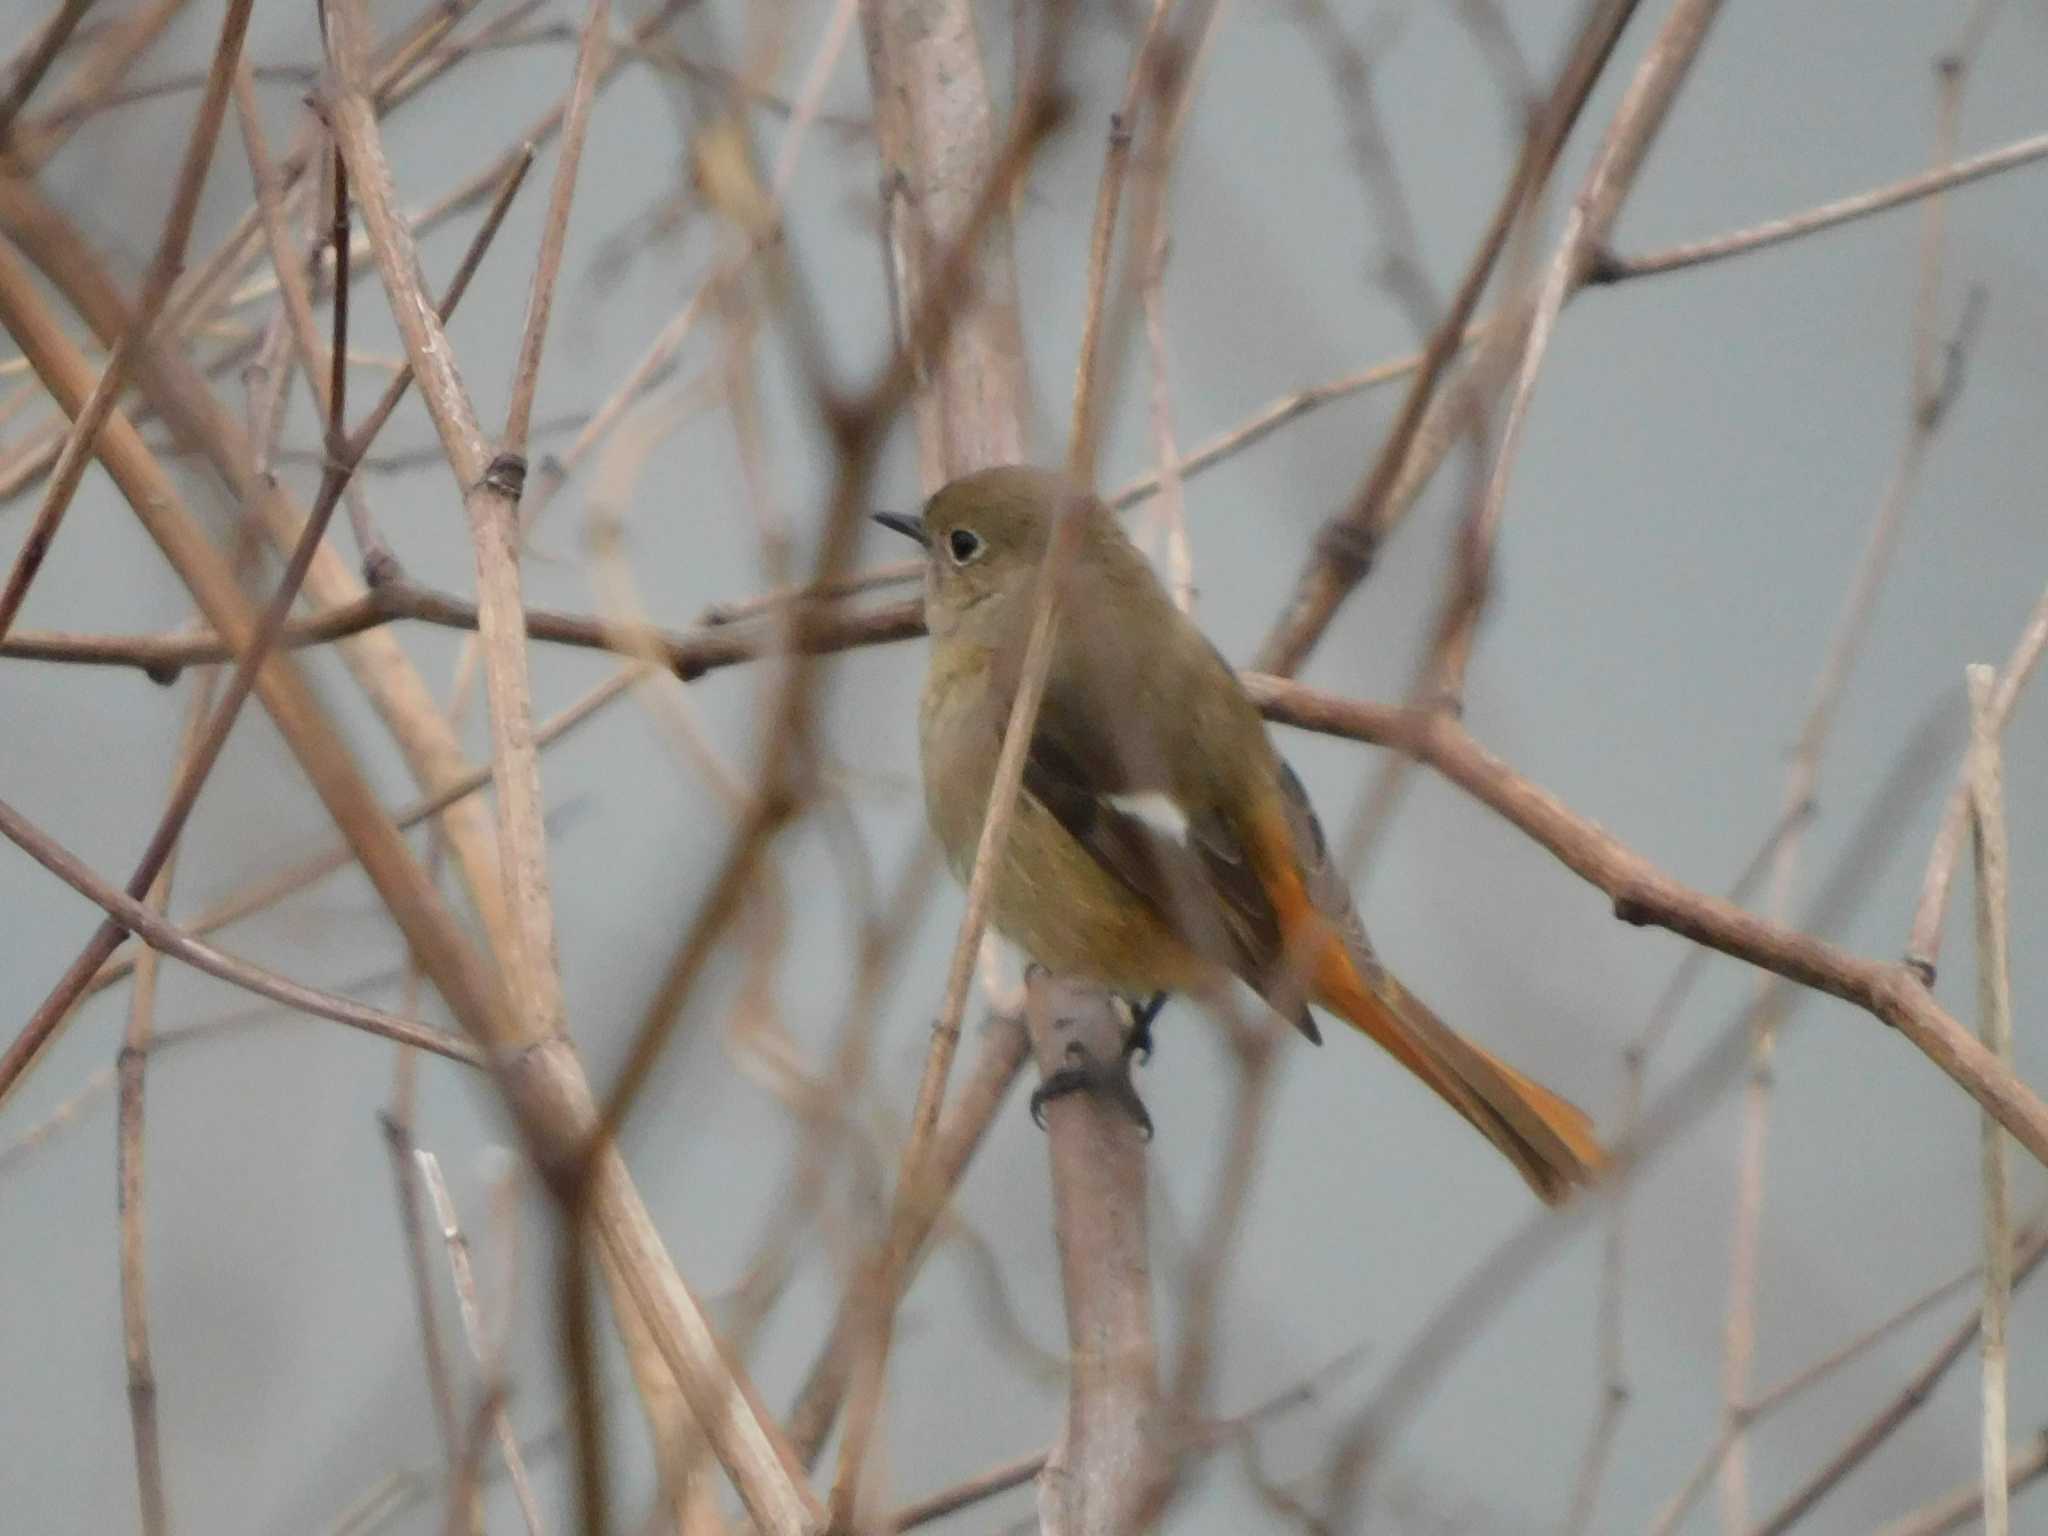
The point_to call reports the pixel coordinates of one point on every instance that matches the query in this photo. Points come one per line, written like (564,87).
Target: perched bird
(1159,844)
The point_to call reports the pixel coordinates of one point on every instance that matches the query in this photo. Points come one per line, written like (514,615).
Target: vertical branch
(141,481)
(182,393)
(545,1082)
(1062,549)
(1637,122)
(131,1067)
(1923,946)
(933,130)
(1344,552)
(481,1344)
(1994,1009)
(490,490)
(396,1124)
(1931,390)
(590,59)
(1919,1387)
(1107,1459)
(1155,171)
(958,1139)
(1090,377)
(1956,1510)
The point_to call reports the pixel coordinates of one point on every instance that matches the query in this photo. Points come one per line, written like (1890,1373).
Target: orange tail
(1549,1140)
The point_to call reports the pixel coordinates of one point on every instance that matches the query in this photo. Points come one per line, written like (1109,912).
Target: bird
(1159,843)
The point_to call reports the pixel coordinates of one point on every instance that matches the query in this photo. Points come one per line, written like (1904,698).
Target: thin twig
(1796,1383)
(1894,1412)
(1344,553)
(1085,427)
(1645,896)
(1931,393)
(1923,947)
(473,1329)
(164,268)
(911,1187)
(274,888)
(396,1124)
(1994,1023)
(690,654)
(248,676)
(2029,1461)
(590,57)
(31,144)
(1005,1048)
(132,1065)
(1629,137)
(1614,268)
(749,1444)
(162,935)
(49,41)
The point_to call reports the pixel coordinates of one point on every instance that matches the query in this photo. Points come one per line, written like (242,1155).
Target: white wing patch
(1157,809)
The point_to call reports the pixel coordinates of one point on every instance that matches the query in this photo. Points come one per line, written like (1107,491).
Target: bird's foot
(1138,1043)
(1110,1082)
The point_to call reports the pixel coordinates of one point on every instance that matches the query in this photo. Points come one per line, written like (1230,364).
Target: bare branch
(1924,945)
(2029,1461)
(473,1328)
(1645,896)
(1109,1455)
(1879,1427)
(1344,552)
(132,1065)
(552,1090)
(77,451)
(1994,1023)
(172,940)
(1612,268)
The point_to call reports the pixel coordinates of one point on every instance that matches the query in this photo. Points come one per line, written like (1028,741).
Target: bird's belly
(1072,916)
(1051,898)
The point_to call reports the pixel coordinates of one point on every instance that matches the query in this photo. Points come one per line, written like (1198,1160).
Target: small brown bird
(1159,843)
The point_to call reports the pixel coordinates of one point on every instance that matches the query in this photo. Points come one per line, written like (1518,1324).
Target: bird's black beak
(909,527)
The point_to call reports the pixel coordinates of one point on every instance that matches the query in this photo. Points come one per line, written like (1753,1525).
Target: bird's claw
(1112,1084)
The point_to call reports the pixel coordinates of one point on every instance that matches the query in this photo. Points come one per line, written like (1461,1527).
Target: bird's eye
(964,544)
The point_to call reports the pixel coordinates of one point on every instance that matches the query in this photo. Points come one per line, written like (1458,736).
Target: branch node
(1603,264)
(381,569)
(162,673)
(1922,968)
(507,475)
(1347,548)
(1632,909)
(847,419)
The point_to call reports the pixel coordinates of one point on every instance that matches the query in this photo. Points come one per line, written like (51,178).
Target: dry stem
(748,1443)
(77,451)
(1994,1022)
(1109,1456)
(1344,552)
(167,937)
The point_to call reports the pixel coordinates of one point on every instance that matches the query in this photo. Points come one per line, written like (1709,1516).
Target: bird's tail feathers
(1548,1139)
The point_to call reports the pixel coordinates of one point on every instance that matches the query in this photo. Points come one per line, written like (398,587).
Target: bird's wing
(1112,784)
